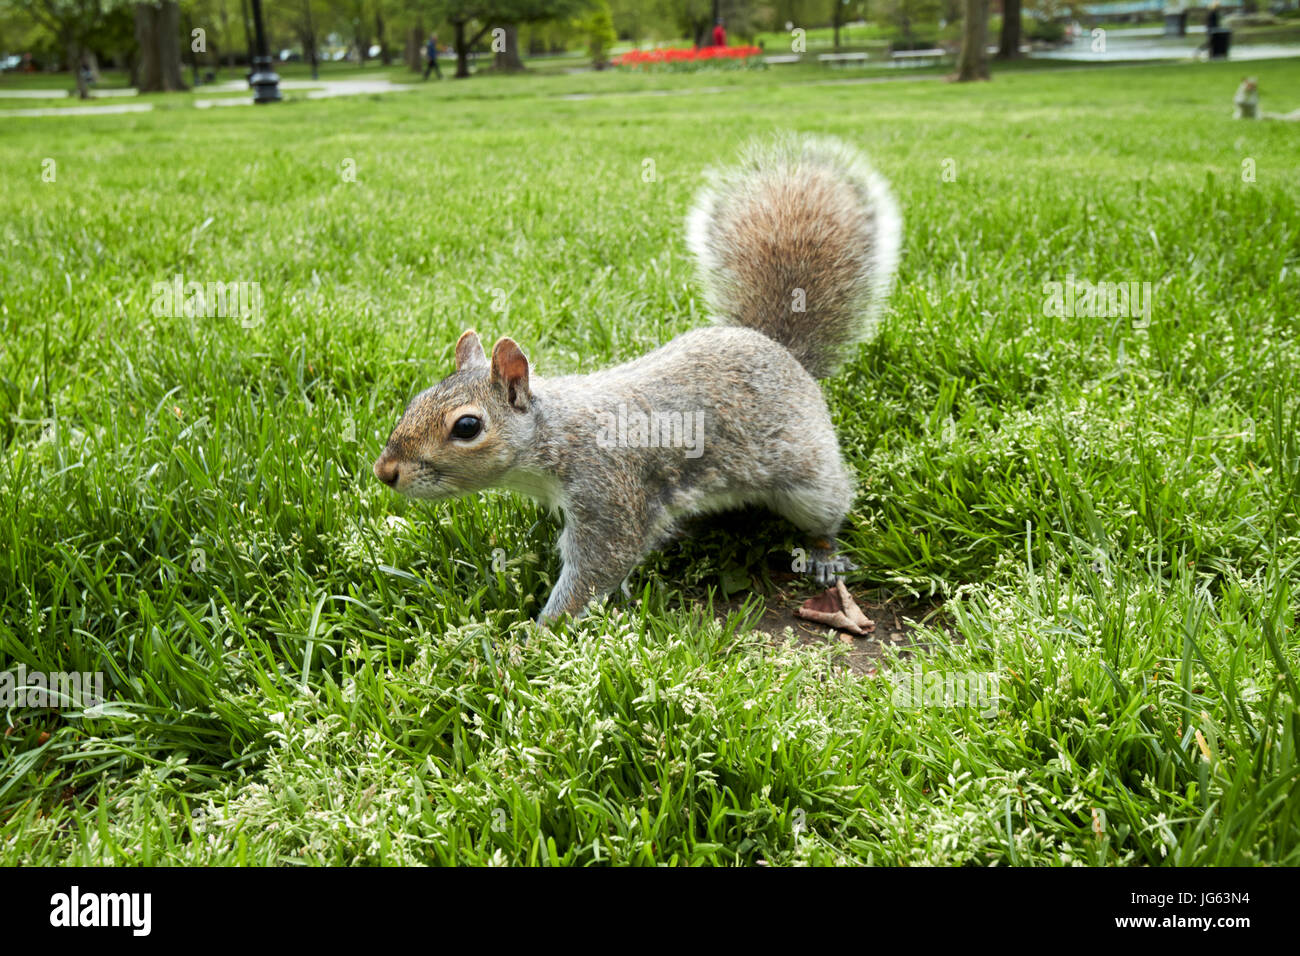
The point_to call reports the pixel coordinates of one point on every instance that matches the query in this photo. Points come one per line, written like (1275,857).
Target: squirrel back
(800,242)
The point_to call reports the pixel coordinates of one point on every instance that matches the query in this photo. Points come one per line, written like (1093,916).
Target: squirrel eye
(466,427)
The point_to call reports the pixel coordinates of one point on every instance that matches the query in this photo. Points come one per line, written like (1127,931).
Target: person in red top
(719,34)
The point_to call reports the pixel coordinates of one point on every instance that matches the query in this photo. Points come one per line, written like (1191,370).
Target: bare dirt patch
(896,620)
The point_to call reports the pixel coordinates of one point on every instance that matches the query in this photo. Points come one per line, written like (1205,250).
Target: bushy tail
(799,241)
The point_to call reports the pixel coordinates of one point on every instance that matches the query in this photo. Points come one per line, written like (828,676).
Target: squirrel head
(465,433)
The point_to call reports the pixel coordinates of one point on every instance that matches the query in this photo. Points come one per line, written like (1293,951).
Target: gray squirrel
(1245,104)
(796,249)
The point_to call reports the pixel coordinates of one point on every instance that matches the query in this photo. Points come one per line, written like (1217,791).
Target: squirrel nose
(387,471)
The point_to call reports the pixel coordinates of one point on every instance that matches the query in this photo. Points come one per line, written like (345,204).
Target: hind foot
(825,565)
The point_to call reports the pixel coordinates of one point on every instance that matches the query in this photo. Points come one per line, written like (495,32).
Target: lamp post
(264,81)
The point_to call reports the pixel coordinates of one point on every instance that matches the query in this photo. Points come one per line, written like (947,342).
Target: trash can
(1220,40)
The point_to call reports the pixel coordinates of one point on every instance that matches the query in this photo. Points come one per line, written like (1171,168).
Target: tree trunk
(385,54)
(74,61)
(194,56)
(248,34)
(414,44)
(225,35)
(1009,40)
(156,34)
(973,63)
(462,51)
(309,41)
(508,60)
(836,15)
(169,47)
(148,73)
(362,40)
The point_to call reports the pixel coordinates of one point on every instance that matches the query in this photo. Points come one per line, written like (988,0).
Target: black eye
(466,427)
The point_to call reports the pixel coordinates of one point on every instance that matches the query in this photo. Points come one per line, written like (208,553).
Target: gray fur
(801,222)
(767,437)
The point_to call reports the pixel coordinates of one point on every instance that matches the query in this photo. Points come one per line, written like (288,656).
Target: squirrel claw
(829,569)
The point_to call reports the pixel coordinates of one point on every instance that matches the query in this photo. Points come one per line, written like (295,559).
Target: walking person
(431,51)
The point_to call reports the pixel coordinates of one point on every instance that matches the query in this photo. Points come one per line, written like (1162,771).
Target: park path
(315,90)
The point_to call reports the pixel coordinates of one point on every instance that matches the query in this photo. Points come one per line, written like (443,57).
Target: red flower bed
(669,55)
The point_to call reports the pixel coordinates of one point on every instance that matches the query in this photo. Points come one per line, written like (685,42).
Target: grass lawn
(304,668)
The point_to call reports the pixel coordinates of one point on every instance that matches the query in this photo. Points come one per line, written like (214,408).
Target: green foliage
(509,11)
(908,15)
(67,20)
(598,26)
(1043,30)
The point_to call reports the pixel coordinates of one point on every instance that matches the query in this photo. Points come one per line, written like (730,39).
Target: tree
(507,57)
(354,20)
(72,22)
(904,13)
(460,14)
(381,35)
(637,20)
(506,15)
(973,62)
(598,26)
(1009,40)
(301,19)
(695,17)
(157,32)
(414,53)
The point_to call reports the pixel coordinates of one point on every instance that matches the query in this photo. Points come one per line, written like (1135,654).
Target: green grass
(304,668)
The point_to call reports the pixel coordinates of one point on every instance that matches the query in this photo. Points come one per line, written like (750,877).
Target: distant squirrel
(796,249)
(1245,103)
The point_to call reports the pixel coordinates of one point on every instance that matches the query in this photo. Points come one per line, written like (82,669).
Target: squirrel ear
(510,368)
(469,352)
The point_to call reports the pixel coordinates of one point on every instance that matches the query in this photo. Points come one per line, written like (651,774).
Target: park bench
(782,58)
(916,57)
(845,59)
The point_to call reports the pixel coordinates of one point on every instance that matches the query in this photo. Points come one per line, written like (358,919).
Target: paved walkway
(61,94)
(1153,45)
(315,90)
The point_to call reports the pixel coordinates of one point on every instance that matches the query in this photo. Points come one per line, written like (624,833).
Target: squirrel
(1245,103)
(796,250)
